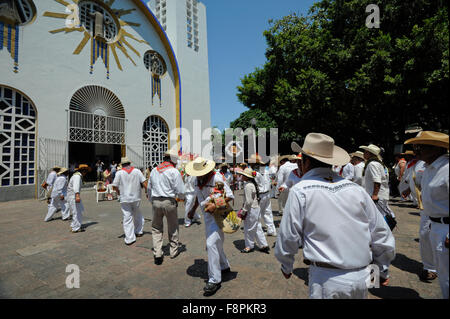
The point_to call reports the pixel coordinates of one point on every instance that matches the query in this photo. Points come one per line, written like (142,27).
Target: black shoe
(265,250)
(426,275)
(247,250)
(139,235)
(158,260)
(129,244)
(211,288)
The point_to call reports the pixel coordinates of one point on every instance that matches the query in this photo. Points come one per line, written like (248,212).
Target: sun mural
(101,25)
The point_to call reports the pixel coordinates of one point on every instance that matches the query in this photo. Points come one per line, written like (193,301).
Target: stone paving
(34,255)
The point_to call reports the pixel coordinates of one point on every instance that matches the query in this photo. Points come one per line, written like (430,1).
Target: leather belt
(441,220)
(319,264)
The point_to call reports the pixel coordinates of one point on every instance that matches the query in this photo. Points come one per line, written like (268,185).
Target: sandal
(247,250)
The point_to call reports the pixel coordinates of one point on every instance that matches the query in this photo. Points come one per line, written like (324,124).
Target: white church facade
(82,80)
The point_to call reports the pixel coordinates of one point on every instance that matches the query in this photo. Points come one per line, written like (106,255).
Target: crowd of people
(334,207)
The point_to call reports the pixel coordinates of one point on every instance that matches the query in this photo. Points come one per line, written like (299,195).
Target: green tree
(327,72)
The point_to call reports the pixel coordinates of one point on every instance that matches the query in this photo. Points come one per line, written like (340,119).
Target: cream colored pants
(167,208)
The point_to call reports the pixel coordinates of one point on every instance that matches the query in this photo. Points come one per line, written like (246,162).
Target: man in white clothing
(262,180)
(376,182)
(337,224)
(74,198)
(348,171)
(58,196)
(432,148)
(48,184)
(128,183)
(164,187)
(189,200)
(359,164)
(218,264)
(282,177)
(296,174)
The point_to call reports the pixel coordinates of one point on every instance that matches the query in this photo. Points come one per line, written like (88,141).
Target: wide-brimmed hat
(430,138)
(247,172)
(408,152)
(321,147)
(82,167)
(172,153)
(56,167)
(255,159)
(283,157)
(200,166)
(357,154)
(373,149)
(224,165)
(294,157)
(125,160)
(62,170)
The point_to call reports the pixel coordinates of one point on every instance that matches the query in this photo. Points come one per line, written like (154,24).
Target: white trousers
(189,202)
(426,250)
(266,212)
(327,283)
(56,203)
(133,222)
(253,230)
(217,260)
(77,210)
(438,234)
(282,198)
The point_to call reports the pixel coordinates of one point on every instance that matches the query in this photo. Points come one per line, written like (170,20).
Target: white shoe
(272,234)
(187,225)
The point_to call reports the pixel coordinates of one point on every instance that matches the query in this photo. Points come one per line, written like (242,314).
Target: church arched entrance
(96,127)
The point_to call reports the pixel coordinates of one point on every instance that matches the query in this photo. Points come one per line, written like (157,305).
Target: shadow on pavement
(414,214)
(239,244)
(198,269)
(395,293)
(302,273)
(407,264)
(88,224)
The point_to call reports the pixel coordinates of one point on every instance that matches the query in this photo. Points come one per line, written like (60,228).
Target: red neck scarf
(412,163)
(128,169)
(164,166)
(296,173)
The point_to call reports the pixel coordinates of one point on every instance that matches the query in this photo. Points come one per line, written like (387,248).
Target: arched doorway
(17,138)
(96,127)
(155,140)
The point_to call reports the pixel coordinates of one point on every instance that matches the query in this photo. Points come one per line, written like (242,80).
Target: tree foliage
(327,72)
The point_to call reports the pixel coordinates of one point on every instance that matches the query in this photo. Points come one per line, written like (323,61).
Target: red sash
(164,166)
(296,173)
(128,169)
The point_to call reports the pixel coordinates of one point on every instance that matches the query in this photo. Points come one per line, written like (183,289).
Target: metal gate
(51,153)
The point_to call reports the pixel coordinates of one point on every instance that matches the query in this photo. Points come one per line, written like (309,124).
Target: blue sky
(236,46)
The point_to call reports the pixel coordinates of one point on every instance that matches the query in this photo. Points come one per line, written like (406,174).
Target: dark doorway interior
(90,153)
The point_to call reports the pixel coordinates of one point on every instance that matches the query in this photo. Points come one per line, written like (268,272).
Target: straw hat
(430,138)
(200,166)
(408,152)
(224,165)
(56,167)
(294,157)
(83,167)
(357,154)
(62,170)
(172,153)
(247,172)
(255,159)
(125,160)
(373,149)
(283,157)
(321,147)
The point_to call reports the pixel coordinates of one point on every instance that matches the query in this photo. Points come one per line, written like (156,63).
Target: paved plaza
(34,256)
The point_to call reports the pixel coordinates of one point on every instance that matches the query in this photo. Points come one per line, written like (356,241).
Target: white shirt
(263,182)
(189,183)
(294,178)
(167,183)
(377,173)
(415,174)
(348,171)
(435,188)
(60,186)
(358,171)
(51,178)
(336,222)
(129,185)
(74,186)
(283,173)
(250,200)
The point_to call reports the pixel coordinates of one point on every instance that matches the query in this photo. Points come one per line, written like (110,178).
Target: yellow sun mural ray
(101,44)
